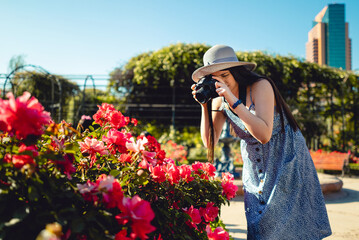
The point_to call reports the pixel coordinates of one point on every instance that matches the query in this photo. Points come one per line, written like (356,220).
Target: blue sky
(94,37)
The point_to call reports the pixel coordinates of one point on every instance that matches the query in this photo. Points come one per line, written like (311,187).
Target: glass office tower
(328,40)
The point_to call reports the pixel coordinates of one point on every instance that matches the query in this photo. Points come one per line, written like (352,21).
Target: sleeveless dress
(282,194)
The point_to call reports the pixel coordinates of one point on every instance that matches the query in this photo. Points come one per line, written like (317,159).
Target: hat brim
(209,69)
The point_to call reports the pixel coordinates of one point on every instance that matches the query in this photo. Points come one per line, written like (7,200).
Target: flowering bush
(175,151)
(102,183)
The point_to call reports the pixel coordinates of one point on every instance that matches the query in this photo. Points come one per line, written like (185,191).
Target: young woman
(283,198)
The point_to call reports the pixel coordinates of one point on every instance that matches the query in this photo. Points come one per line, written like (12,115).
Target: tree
(15,62)
(155,87)
(161,80)
(42,86)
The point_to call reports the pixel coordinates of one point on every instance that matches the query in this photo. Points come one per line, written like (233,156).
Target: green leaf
(71,148)
(115,172)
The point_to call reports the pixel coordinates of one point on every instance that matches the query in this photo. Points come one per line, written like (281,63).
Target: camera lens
(202,94)
(206,89)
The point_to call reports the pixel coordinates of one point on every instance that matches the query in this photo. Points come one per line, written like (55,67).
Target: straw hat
(217,58)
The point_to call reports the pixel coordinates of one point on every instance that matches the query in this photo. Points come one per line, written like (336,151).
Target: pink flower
(111,190)
(104,182)
(139,214)
(108,115)
(194,214)
(134,121)
(144,164)
(139,146)
(102,116)
(229,189)
(173,174)
(185,173)
(125,158)
(158,174)
(88,191)
(210,169)
(204,170)
(136,146)
(218,234)
(23,116)
(210,212)
(227,177)
(149,157)
(85,117)
(93,146)
(116,140)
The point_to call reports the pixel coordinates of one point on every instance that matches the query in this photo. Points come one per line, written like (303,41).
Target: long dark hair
(244,78)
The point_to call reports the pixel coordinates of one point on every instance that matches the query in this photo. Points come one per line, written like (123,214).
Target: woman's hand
(223,91)
(193,87)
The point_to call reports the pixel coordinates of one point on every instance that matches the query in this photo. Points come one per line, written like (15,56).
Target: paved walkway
(342,207)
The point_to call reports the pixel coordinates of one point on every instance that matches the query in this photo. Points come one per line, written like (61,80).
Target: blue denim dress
(282,194)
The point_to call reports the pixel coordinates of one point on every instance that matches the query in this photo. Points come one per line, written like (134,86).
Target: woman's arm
(259,125)
(218,122)
(217,117)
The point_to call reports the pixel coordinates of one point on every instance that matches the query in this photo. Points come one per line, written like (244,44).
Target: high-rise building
(328,41)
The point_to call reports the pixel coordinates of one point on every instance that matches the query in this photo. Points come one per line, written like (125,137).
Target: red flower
(116,140)
(194,214)
(139,214)
(102,116)
(204,170)
(210,212)
(152,144)
(218,234)
(117,120)
(157,173)
(210,169)
(23,116)
(173,173)
(185,173)
(134,121)
(122,235)
(229,190)
(160,155)
(111,190)
(66,165)
(20,160)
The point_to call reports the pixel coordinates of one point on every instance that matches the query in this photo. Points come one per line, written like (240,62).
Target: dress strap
(250,96)
(222,105)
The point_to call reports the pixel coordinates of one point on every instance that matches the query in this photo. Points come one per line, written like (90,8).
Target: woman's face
(225,77)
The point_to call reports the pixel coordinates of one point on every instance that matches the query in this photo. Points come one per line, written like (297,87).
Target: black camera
(206,89)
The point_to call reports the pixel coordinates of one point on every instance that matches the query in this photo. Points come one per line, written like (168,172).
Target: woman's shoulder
(217,103)
(261,82)
(261,86)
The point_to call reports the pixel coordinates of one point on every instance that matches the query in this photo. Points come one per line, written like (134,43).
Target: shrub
(103,183)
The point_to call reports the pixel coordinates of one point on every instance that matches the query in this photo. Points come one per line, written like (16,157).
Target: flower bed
(99,183)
